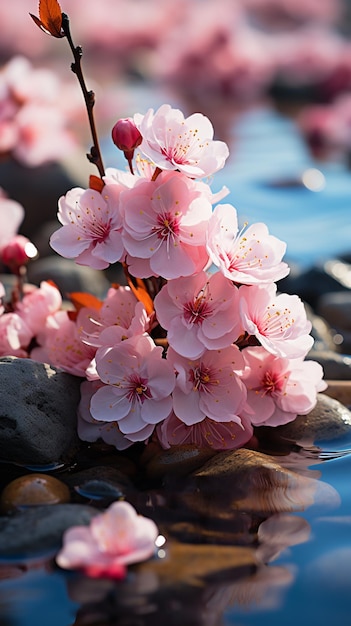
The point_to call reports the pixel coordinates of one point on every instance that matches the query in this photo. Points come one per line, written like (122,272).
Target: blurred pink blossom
(15,335)
(38,305)
(113,540)
(279,322)
(199,313)
(278,389)
(250,256)
(61,346)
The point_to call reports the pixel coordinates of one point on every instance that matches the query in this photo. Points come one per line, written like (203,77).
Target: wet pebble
(176,461)
(33,490)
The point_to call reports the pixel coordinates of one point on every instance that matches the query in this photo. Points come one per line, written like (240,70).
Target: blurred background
(274,77)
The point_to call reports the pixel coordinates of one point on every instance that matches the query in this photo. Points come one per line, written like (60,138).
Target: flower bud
(17,252)
(126,136)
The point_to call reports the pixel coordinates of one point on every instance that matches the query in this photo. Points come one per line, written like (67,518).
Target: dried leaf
(50,18)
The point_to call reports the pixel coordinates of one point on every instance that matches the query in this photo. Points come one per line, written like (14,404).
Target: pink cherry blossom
(15,335)
(37,305)
(138,387)
(199,313)
(279,322)
(250,256)
(60,345)
(113,540)
(173,142)
(11,217)
(278,389)
(91,227)
(90,429)
(208,433)
(209,386)
(165,223)
(120,316)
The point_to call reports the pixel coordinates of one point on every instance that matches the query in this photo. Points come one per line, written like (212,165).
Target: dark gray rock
(38,406)
(38,530)
(68,276)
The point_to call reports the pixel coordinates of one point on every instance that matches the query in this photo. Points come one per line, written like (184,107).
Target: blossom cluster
(199,346)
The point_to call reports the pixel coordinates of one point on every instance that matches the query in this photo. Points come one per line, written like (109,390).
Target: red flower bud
(126,136)
(17,252)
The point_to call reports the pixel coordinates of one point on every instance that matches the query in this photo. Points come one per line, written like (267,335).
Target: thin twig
(89,97)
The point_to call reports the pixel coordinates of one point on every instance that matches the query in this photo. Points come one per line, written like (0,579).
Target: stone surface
(32,490)
(38,405)
(38,530)
(336,366)
(68,276)
(335,308)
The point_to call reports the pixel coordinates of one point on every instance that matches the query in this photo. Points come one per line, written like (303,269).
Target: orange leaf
(50,18)
(80,299)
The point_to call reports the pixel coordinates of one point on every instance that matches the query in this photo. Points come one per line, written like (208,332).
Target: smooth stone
(328,421)
(109,478)
(187,564)
(336,366)
(249,481)
(33,490)
(176,461)
(38,413)
(310,285)
(325,337)
(38,530)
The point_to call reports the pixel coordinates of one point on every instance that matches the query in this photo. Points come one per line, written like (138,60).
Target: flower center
(202,379)
(271,383)
(275,322)
(196,311)
(137,389)
(167,226)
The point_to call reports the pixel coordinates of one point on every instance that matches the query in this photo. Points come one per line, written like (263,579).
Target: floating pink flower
(208,433)
(90,429)
(209,386)
(173,142)
(138,387)
(279,389)
(249,256)
(199,313)
(279,322)
(113,540)
(165,224)
(91,227)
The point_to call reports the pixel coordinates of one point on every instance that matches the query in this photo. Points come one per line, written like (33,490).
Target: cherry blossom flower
(250,256)
(37,305)
(91,227)
(199,313)
(209,386)
(60,345)
(173,142)
(165,223)
(90,429)
(113,540)
(279,389)
(138,387)
(15,335)
(207,433)
(120,316)
(11,217)
(279,322)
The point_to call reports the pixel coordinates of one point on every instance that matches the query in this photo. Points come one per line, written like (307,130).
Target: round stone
(33,490)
